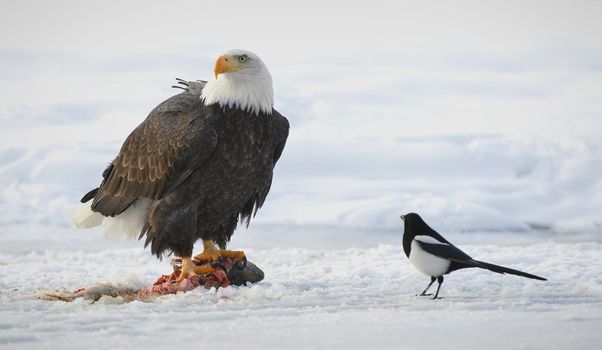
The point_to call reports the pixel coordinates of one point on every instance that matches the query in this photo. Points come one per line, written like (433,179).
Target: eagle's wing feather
(201,145)
(158,155)
(283,133)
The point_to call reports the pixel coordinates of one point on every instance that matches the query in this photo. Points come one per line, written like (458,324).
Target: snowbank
(458,183)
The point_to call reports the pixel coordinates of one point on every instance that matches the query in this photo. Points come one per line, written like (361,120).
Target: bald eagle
(200,163)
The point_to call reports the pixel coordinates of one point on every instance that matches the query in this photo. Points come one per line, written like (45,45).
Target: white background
(482,116)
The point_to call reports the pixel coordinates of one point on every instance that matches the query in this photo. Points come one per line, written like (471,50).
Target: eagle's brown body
(204,167)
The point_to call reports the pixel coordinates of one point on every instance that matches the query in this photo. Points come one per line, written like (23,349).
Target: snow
(486,122)
(352,298)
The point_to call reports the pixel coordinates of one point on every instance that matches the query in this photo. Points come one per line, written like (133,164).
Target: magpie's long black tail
(501,269)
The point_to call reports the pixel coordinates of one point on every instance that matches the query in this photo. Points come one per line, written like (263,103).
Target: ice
(312,298)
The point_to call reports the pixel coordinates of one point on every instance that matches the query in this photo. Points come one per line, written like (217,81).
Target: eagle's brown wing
(173,141)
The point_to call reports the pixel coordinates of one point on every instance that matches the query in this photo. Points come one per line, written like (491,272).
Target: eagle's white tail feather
(84,217)
(129,223)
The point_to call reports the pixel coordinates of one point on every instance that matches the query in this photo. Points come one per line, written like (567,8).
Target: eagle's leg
(212,253)
(189,268)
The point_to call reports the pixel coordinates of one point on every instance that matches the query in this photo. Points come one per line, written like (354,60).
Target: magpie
(434,256)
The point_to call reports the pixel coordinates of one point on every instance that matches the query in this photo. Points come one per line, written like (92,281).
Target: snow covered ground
(350,297)
(486,122)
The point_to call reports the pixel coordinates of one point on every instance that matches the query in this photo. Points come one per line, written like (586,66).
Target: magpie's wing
(446,251)
(450,252)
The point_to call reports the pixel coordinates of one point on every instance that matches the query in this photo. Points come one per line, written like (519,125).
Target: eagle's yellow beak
(224,64)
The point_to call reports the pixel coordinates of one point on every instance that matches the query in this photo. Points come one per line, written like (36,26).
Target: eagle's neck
(253,94)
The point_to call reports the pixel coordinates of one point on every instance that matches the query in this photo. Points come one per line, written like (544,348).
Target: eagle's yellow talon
(207,256)
(203,269)
(212,253)
(233,254)
(188,269)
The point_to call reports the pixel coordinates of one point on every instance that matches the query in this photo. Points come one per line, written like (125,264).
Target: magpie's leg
(427,288)
(440,281)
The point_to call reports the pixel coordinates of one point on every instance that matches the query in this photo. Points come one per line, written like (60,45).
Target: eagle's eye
(243,58)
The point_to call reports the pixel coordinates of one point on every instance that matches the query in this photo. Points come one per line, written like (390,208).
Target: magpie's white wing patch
(428,239)
(425,262)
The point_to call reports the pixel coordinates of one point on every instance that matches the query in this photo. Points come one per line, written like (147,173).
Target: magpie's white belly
(427,263)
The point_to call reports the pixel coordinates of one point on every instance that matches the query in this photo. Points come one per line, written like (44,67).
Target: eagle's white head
(241,81)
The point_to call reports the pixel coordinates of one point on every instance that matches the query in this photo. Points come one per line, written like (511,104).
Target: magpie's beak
(403,217)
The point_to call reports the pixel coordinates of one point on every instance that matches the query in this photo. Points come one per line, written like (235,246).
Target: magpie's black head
(411,218)
(414,224)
